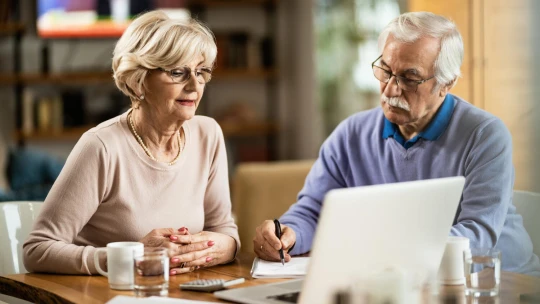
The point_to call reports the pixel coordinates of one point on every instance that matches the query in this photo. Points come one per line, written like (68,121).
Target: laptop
(363,231)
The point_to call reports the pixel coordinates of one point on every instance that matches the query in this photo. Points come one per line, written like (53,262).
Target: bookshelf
(239,72)
(50,135)
(52,79)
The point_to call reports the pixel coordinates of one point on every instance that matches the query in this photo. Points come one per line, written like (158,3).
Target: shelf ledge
(230,130)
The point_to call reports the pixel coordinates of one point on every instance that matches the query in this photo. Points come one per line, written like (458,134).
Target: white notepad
(153,300)
(295,268)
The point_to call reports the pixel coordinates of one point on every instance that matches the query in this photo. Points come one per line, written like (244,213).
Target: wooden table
(48,288)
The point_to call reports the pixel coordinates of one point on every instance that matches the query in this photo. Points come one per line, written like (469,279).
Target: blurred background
(288,71)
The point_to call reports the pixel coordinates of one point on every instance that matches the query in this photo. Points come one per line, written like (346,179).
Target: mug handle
(96,261)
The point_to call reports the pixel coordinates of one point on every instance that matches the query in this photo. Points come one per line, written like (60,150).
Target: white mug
(119,263)
(451,271)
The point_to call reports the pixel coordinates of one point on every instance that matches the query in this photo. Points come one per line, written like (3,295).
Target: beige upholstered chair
(265,191)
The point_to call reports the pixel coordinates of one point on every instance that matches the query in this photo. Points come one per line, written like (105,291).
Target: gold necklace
(147,151)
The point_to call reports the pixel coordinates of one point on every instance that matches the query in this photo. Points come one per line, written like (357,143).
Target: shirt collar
(434,129)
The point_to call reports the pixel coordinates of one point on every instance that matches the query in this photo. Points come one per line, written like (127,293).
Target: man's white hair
(410,27)
(153,40)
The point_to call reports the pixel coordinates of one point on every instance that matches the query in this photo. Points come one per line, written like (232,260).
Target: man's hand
(266,244)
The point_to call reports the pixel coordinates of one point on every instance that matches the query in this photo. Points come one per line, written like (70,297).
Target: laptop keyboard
(287,297)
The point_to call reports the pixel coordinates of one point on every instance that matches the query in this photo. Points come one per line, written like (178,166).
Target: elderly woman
(155,167)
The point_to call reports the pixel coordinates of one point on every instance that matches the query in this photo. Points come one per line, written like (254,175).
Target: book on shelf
(27,107)
(44,114)
(50,114)
(237,49)
(7,10)
(41,114)
(253,54)
(57,114)
(240,50)
(74,110)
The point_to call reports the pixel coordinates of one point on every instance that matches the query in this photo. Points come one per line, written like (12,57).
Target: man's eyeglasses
(406,84)
(181,75)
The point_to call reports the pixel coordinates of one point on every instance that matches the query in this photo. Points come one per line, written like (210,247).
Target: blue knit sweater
(460,140)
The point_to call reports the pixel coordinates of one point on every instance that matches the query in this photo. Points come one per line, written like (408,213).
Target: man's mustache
(396,102)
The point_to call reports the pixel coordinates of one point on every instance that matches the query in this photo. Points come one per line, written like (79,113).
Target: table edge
(27,292)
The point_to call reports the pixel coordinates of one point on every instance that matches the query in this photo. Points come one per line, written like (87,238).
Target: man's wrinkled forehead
(416,58)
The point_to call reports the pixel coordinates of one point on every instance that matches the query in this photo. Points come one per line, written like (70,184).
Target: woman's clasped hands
(189,252)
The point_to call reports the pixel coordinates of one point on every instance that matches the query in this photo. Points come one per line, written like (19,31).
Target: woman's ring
(183,264)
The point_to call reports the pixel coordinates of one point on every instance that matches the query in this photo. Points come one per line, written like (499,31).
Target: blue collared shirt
(434,129)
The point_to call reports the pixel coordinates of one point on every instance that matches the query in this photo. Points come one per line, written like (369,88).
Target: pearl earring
(141,97)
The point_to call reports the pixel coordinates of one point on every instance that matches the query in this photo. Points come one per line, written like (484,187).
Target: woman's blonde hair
(153,40)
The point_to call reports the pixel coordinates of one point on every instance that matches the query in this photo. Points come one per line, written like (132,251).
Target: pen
(278,234)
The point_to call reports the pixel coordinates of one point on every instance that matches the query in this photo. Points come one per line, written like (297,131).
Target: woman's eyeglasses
(181,75)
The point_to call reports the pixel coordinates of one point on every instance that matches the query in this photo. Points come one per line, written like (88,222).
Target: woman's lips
(186,102)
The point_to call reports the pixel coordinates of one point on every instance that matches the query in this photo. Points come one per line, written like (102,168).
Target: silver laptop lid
(365,230)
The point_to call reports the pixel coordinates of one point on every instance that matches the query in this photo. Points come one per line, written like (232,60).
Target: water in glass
(151,273)
(482,272)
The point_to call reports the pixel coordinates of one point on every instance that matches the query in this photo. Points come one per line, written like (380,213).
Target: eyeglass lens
(404,83)
(180,75)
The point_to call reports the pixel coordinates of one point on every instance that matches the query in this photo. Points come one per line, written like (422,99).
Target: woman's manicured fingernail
(175,260)
(182,229)
(211,243)
(208,259)
(198,267)
(174,238)
(173,272)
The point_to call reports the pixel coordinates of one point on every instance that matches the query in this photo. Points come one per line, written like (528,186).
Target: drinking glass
(151,272)
(482,267)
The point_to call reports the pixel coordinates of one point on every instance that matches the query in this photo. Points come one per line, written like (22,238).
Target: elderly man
(419,132)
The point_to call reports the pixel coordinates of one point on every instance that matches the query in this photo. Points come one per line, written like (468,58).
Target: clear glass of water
(151,273)
(482,267)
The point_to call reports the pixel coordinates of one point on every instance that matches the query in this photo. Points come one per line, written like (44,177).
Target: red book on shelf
(221,44)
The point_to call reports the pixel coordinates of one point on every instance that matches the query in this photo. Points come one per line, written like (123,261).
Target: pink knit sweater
(110,190)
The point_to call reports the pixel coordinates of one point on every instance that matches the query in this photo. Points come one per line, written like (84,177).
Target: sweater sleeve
(328,172)
(488,188)
(217,199)
(73,199)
